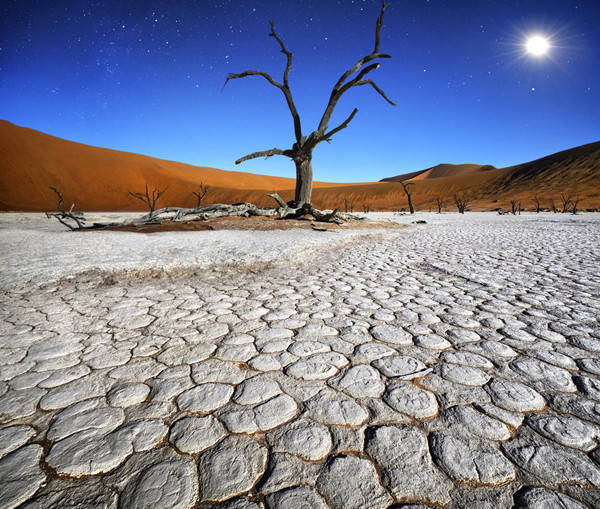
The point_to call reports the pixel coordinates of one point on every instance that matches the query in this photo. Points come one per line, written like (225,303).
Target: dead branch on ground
(176,214)
(66,216)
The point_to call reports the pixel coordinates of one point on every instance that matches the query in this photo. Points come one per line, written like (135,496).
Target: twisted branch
(66,215)
(266,154)
(285,87)
(232,76)
(342,87)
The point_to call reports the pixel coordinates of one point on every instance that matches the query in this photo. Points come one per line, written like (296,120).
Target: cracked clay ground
(454,364)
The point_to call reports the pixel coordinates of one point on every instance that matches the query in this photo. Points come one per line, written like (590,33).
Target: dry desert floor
(450,364)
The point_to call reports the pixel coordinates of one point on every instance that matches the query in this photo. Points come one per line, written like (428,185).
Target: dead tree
(348,205)
(149,199)
(574,203)
(565,198)
(439,201)
(366,208)
(536,202)
(513,207)
(72,220)
(553,205)
(407,187)
(302,148)
(462,202)
(200,194)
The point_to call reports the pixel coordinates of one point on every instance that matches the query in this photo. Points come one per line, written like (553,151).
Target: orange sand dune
(99,179)
(574,172)
(440,170)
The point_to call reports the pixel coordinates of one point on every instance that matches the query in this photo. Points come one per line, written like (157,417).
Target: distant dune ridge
(99,179)
(440,170)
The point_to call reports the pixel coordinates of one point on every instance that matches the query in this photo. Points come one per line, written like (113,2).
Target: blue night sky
(146,77)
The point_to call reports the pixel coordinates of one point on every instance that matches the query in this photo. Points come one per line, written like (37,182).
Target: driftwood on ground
(76,220)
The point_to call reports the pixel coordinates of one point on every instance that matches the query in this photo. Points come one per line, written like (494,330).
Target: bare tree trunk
(407,190)
(304,176)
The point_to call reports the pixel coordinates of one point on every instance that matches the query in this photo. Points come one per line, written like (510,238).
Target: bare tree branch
(378,26)
(277,198)
(66,215)
(284,50)
(379,91)
(327,136)
(266,154)
(285,87)
(265,75)
(340,88)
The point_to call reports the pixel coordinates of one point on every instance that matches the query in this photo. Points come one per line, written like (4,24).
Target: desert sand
(99,179)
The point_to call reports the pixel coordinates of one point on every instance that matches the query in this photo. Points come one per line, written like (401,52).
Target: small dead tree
(574,203)
(67,217)
(303,146)
(366,208)
(519,207)
(149,199)
(462,202)
(440,203)
(565,198)
(407,187)
(536,202)
(200,194)
(553,205)
(513,207)
(348,205)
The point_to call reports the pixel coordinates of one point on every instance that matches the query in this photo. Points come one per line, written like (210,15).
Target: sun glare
(537,45)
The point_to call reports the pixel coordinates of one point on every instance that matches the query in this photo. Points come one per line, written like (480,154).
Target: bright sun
(537,45)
